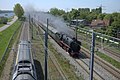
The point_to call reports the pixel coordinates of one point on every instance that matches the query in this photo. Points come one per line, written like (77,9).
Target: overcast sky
(109,5)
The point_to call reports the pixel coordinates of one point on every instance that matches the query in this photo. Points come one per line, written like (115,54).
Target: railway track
(95,73)
(25,32)
(109,52)
(112,70)
(55,62)
(96,76)
(82,63)
(112,52)
(53,58)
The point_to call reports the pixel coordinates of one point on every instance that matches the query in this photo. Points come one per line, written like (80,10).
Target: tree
(64,17)
(54,11)
(115,16)
(57,12)
(18,10)
(91,16)
(61,12)
(69,16)
(3,20)
(108,17)
(97,10)
(74,13)
(101,16)
(115,26)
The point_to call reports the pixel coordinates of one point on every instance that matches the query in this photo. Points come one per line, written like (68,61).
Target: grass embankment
(1,25)
(5,37)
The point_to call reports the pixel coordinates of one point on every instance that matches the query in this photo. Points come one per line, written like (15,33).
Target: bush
(3,20)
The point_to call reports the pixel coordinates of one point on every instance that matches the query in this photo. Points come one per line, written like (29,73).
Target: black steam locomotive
(71,45)
(24,67)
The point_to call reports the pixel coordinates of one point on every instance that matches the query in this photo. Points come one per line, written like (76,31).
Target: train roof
(24,53)
(51,28)
(24,42)
(24,77)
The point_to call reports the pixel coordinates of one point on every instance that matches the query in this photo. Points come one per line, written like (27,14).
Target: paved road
(8,24)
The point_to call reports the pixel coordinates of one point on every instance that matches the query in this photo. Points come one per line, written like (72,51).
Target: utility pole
(92,56)
(29,18)
(32,27)
(76,28)
(46,53)
(101,8)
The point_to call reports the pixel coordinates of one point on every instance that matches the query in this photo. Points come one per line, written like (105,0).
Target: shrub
(3,20)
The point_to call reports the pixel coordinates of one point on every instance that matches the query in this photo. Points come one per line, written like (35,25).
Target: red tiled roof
(100,23)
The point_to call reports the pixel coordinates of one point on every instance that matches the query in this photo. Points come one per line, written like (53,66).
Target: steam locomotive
(24,67)
(71,45)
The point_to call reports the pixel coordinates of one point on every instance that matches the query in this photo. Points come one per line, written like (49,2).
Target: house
(99,23)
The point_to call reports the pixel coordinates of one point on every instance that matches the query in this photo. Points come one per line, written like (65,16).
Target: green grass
(1,25)
(6,35)
(109,59)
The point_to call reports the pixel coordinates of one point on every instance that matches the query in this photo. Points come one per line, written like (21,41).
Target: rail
(55,62)
(114,71)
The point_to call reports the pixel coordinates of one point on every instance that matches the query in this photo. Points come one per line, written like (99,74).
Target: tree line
(85,13)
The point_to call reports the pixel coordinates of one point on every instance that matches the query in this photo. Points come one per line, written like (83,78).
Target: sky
(109,6)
